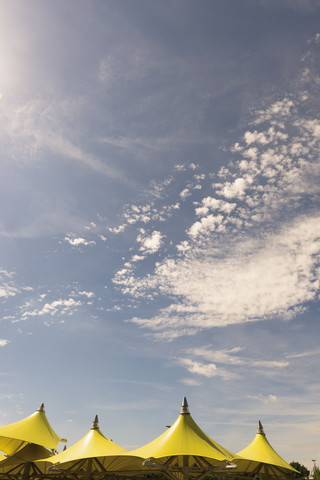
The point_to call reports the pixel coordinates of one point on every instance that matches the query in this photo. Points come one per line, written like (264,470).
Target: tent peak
(260,428)
(95,423)
(41,408)
(184,407)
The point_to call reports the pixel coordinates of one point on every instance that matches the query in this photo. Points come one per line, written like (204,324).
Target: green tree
(316,473)
(301,468)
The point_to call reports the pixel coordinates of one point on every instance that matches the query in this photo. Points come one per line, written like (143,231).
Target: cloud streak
(41,125)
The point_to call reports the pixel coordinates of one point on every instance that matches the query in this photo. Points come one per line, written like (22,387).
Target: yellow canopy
(33,429)
(260,458)
(185,449)
(93,453)
(22,462)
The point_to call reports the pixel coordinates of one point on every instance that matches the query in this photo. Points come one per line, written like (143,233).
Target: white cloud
(234,189)
(183,246)
(271,135)
(246,282)
(190,382)
(57,307)
(206,225)
(199,176)
(78,241)
(208,370)
(276,112)
(210,203)
(118,229)
(150,244)
(8,288)
(264,399)
(8,291)
(193,166)
(86,294)
(257,256)
(185,193)
(230,357)
(180,167)
(148,212)
(3,342)
(137,258)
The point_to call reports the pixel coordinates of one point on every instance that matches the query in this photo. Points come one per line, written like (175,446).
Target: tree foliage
(301,468)
(316,473)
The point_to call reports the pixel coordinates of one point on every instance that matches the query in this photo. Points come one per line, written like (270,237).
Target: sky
(160,218)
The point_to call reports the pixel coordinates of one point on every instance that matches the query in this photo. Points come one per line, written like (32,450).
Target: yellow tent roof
(22,462)
(260,457)
(185,449)
(94,452)
(33,429)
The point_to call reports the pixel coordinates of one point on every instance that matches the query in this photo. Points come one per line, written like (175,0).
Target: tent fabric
(21,461)
(185,441)
(94,452)
(33,429)
(182,451)
(260,457)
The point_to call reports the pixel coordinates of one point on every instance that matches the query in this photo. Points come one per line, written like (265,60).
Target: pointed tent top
(95,423)
(260,429)
(93,445)
(260,454)
(33,429)
(184,407)
(184,438)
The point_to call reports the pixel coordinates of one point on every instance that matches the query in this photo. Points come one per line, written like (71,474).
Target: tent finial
(95,423)
(41,408)
(260,428)
(184,407)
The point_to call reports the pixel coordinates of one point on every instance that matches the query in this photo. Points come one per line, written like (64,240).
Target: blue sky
(160,226)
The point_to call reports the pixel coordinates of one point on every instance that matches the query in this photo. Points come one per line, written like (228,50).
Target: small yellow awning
(93,453)
(33,429)
(260,458)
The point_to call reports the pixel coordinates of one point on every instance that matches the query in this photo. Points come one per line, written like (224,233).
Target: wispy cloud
(229,357)
(206,369)
(265,399)
(309,353)
(208,362)
(41,125)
